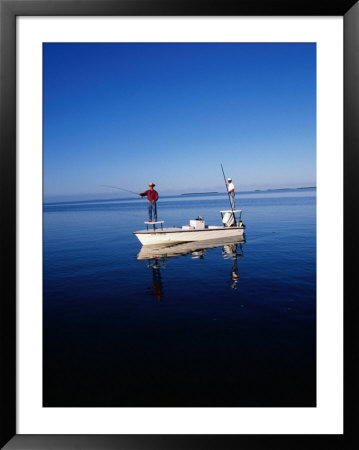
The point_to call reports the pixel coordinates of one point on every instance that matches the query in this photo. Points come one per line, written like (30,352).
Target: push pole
(230,203)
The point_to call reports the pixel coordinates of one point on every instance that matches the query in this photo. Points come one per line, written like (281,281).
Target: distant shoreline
(285,189)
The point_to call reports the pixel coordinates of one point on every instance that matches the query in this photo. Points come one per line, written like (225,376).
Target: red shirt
(152,196)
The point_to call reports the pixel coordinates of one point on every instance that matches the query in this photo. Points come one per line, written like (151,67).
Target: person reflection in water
(157,288)
(234,274)
(231,251)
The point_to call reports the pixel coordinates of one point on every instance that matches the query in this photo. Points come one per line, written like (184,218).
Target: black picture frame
(9,10)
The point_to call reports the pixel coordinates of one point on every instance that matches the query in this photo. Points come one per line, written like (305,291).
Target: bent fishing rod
(229,199)
(121,189)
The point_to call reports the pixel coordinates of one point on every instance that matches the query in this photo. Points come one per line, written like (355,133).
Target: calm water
(181,331)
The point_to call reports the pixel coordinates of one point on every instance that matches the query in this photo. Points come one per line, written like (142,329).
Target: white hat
(229,179)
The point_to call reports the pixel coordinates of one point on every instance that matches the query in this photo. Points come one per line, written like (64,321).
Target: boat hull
(174,236)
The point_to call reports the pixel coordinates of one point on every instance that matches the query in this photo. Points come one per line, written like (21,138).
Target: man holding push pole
(152,197)
(230,187)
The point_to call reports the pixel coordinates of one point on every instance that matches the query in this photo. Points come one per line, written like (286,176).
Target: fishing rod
(121,189)
(229,198)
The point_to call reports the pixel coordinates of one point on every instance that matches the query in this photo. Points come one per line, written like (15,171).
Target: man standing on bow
(230,187)
(152,197)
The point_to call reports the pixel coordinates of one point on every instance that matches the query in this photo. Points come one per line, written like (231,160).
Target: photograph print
(179,224)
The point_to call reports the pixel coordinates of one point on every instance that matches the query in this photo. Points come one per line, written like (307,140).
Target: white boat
(196,230)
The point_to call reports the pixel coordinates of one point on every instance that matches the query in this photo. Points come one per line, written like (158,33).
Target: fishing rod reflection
(157,257)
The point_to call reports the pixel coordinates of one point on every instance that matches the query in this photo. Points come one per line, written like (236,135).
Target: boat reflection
(232,249)
(197,249)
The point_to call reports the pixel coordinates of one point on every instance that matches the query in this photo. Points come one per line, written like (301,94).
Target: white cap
(229,179)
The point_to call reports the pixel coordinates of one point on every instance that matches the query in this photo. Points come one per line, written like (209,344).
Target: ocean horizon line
(238,193)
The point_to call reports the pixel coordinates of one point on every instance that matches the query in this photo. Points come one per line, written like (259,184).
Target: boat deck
(177,229)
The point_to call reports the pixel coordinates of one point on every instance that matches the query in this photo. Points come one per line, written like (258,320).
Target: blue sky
(127,114)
